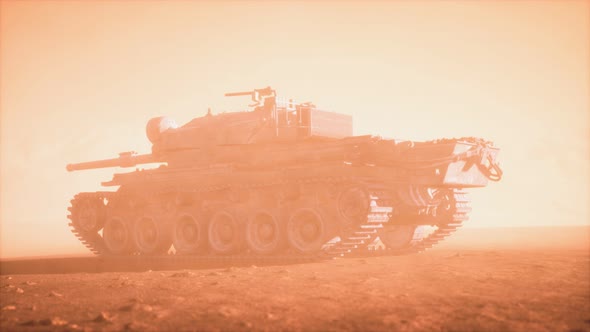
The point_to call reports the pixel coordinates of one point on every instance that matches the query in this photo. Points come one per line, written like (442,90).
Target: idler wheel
(397,236)
(117,236)
(89,214)
(305,230)
(188,234)
(224,233)
(263,233)
(150,236)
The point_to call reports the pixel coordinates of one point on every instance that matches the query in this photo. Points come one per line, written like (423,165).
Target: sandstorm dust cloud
(79,80)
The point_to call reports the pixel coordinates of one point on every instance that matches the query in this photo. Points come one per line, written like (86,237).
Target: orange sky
(79,80)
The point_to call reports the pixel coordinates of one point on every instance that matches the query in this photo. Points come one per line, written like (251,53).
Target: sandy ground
(515,285)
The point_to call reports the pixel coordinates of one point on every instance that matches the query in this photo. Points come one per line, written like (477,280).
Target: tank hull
(316,198)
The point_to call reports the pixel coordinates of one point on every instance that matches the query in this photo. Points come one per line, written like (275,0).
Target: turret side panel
(330,124)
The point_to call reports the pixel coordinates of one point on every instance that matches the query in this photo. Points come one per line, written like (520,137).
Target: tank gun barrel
(126,159)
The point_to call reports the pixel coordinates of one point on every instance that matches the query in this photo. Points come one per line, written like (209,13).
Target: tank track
(364,233)
(354,242)
(446,225)
(91,240)
(354,239)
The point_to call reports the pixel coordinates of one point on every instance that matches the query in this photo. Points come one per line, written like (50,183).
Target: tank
(280,179)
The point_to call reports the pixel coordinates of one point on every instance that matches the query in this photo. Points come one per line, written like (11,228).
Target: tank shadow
(133,264)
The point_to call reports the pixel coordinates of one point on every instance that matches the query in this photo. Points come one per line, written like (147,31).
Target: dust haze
(79,80)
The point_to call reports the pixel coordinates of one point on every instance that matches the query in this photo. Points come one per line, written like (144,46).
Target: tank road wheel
(305,231)
(224,233)
(353,205)
(150,236)
(118,237)
(188,234)
(263,233)
(397,236)
(88,214)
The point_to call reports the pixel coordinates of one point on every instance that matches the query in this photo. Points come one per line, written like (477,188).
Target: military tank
(282,178)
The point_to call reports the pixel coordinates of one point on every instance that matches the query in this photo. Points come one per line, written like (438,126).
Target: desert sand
(528,279)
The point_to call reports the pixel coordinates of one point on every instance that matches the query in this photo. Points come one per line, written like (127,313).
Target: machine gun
(260,97)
